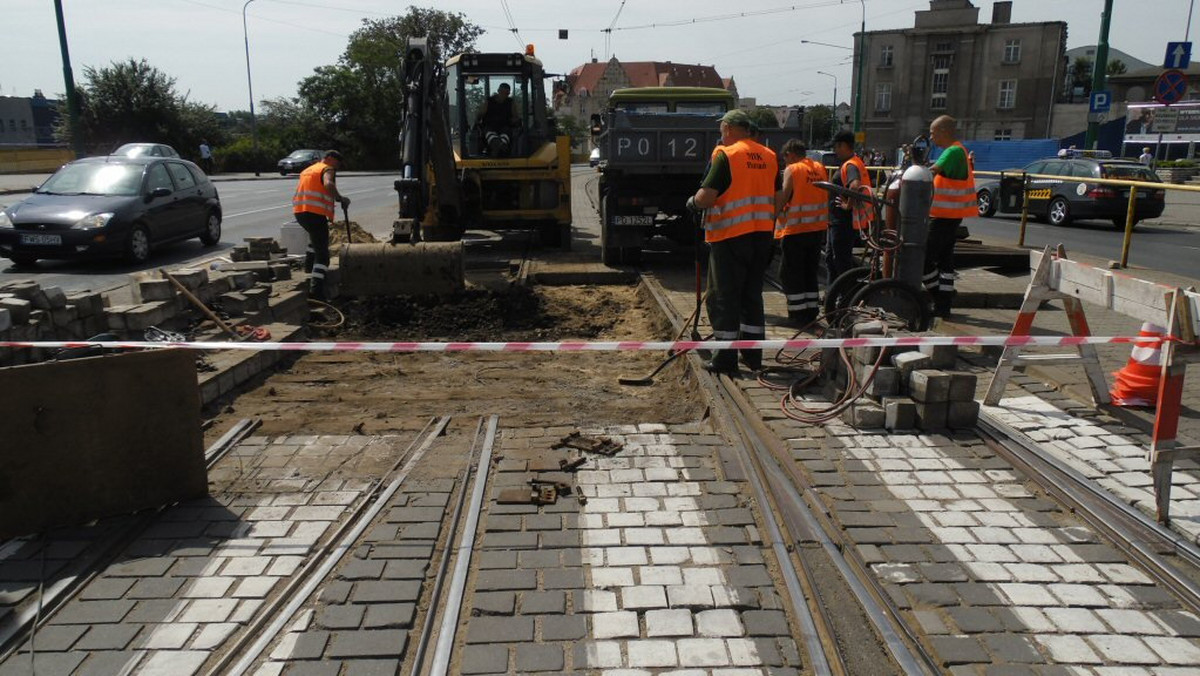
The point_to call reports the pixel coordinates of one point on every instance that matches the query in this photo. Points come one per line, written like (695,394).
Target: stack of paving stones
(30,312)
(258,249)
(913,388)
(994,577)
(662,570)
(203,570)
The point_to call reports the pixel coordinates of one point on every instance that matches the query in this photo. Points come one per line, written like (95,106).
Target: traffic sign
(1170,87)
(1179,55)
(1166,121)
(1100,102)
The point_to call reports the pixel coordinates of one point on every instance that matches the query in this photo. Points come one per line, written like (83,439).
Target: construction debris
(588,444)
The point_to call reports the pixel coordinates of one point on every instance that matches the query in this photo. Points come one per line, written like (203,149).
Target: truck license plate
(53,240)
(633,220)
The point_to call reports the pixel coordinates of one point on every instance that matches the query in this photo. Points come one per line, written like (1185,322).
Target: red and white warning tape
(605,346)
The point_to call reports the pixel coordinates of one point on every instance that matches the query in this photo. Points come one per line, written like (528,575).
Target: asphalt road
(251,209)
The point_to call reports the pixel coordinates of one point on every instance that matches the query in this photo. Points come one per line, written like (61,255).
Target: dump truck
(655,144)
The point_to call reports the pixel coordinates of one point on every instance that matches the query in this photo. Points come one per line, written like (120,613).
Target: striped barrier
(603,346)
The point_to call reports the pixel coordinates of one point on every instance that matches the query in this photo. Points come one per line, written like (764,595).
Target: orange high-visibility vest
(808,208)
(952,197)
(311,194)
(861,215)
(748,205)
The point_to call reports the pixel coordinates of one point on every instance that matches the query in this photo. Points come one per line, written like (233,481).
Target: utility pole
(1099,72)
(69,82)
(832,111)
(250,87)
(862,58)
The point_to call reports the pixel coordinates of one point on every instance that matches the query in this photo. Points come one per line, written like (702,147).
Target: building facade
(999,79)
(585,90)
(27,121)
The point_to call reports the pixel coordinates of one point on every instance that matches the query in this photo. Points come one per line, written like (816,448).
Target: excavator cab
(496,106)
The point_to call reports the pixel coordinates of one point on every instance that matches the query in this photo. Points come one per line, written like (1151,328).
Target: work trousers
(939,262)
(839,254)
(736,267)
(798,271)
(316,258)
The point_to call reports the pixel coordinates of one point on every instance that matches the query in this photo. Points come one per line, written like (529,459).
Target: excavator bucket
(401,269)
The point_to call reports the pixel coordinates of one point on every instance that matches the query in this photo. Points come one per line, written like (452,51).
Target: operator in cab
(498,117)
(313,206)
(739,193)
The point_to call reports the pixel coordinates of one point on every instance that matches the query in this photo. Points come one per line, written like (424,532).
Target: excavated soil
(377,393)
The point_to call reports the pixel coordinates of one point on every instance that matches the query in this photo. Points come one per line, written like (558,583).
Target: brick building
(585,90)
(1000,79)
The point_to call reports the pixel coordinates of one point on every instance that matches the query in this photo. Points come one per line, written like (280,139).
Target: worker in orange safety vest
(739,193)
(846,221)
(803,218)
(953,200)
(313,206)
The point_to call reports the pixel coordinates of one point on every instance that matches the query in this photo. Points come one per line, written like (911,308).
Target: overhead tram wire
(608,31)
(258,17)
(512,25)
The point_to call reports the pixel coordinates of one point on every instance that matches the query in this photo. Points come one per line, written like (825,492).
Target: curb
(231,179)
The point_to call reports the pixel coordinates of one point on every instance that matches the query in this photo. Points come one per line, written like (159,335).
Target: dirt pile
(337,235)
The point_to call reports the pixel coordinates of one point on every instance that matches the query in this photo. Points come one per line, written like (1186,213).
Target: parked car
(111,206)
(1061,201)
(298,161)
(146,150)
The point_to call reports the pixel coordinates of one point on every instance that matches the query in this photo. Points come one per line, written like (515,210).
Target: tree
(132,101)
(1081,74)
(1116,67)
(816,125)
(569,125)
(359,98)
(764,118)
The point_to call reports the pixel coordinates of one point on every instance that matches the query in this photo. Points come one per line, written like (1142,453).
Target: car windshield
(1129,172)
(699,107)
(134,150)
(95,179)
(641,107)
(300,155)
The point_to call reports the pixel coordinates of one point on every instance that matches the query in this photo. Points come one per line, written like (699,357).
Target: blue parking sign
(1100,102)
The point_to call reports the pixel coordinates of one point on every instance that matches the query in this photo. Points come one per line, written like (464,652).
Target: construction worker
(803,218)
(739,193)
(953,200)
(313,204)
(845,221)
(498,117)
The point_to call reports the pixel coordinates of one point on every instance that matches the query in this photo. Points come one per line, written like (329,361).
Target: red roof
(646,74)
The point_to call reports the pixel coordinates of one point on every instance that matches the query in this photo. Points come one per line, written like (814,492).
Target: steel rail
(462,561)
(810,520)
(27,620)
(321,564)
(1131,531)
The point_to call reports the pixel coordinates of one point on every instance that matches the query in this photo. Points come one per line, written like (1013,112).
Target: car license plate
(52,240)
(633,220)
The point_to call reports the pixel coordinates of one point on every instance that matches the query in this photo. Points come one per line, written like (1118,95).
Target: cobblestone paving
(662,571)
(1116,461)
(203,570)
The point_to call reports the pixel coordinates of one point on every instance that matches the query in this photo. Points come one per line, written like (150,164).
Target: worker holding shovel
(313,204)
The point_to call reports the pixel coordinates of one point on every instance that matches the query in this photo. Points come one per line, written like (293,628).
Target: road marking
(288,205)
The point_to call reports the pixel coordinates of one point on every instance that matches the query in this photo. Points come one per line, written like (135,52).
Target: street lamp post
(250,87)
(862,58)
(833,110)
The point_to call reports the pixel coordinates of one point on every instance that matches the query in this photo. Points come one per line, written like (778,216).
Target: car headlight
(93,221)
(5,220)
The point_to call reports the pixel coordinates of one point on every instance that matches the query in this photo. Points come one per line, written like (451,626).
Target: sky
(757,42)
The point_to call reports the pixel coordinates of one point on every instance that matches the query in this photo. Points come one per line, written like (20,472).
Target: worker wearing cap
(845,220)
(739,193)
(313,205)
(803,211)
(953,200)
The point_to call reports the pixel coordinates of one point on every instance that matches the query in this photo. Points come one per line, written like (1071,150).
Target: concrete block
(941,356)
(142,317)
(259,297)
(243,280)
(236,303)
(55,297)
(289,308)
(962,386)
(929,386)
(908,362)
(885,383)
(281,272)
(19,308)
(25,290)
(874,327)
(87,304)
(260,270)
(6,320)
(864,415)
(899,413)
(156,289)
(962,414)
(191,278)
(932,416)
(64,316)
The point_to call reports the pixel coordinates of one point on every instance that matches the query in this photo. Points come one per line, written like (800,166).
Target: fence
(33,160)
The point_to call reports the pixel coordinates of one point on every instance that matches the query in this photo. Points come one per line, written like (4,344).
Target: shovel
(346,215)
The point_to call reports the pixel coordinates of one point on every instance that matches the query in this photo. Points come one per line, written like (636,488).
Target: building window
(1002,135)
(12,124)
(883,97)
(885,56)
(1008,95)
(941,81)
(943,47)
(1012,51)
(24,125)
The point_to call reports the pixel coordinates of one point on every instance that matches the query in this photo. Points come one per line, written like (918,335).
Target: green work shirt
(953,163)
(719,177)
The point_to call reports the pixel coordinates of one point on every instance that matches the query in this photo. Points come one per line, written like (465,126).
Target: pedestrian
(1146,158)
(953,200)
(739,193)
(803,218)
(313,205)
(206,156)
(844,220)
(498,117)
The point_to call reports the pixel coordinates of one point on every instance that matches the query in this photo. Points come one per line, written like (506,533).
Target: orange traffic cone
(1137,383)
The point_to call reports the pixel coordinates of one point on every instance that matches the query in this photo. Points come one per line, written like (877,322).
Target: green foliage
(764,118)
(569,125)
(816,126)
(1116,67)
(1176,164)
(132,101)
